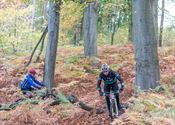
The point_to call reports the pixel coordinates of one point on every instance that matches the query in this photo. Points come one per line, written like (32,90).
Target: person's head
(32,71)
(105,69)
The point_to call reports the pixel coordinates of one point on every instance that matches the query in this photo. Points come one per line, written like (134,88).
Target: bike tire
(114,108)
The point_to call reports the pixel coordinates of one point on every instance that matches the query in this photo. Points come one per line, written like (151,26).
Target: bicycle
(43,93)
(113,103)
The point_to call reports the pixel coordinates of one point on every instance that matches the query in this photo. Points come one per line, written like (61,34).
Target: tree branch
(43,35)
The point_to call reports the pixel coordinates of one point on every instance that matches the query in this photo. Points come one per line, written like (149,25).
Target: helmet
(32,71)
(104,67)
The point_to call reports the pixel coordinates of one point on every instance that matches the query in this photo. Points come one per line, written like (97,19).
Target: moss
(62,98)
(150,105)
(173,81)
(159,89)
(76,73)
(137,106)
(170,103)
(169,91)
(72,59)
(114,66)
(168,113)
(65,114)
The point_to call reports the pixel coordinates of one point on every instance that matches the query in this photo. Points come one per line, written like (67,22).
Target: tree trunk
(33,15)
(113,32)
(33,23)
(115,24)
(130,21)
(90,30)
(145,42)
(161,23)
(51,51)
(45,9)
(77,34)
(155,13)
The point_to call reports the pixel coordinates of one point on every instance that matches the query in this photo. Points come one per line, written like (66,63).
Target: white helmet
(104,67)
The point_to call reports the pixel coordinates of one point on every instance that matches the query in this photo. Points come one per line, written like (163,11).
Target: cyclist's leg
(116,92)
(107,95)
(27,93)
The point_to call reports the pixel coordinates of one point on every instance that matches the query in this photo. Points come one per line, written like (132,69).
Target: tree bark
(45,9)
(51,51)
(115,24)
(145,42)
(113,32)
(90,30)
(155,13)
(161,23)
(77,34)
(130,21)
(33,15)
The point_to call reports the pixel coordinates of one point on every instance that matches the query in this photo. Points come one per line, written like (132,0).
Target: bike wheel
(114,108)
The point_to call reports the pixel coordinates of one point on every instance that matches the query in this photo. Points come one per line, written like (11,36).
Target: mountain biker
(110,82)
(30,83)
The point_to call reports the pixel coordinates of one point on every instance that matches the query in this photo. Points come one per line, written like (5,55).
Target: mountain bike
(113,104)
(42,93)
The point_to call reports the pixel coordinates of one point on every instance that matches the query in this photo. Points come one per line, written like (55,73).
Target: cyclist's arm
(39,83)
(99,83)
(121,80)
(32,84)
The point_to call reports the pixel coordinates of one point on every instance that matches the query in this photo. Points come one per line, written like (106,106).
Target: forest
(54,56)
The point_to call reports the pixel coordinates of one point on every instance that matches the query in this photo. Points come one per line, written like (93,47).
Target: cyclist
(30,83)
(110,83)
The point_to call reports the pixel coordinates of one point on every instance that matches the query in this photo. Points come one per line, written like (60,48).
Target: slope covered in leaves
(151,108)
(78,76)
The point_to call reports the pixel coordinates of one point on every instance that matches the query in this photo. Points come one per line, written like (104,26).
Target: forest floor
(78,76)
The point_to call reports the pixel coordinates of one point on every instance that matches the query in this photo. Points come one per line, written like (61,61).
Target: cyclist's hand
(44,88)
(101,93)
(35,89)
(121,89)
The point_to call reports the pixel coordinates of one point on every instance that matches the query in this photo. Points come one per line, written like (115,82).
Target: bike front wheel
(114,108)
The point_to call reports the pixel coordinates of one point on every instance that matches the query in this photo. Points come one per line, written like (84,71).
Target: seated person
(30,83)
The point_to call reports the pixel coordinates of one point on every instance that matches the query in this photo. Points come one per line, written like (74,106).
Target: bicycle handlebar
(112,92)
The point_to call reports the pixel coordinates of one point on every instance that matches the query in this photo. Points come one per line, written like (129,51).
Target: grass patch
(149,105)
(169,91)
(72,59)
(167,113)
(62,98)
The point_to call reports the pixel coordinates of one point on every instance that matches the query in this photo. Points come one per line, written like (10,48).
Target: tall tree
(50,58)
(161,23)
(33,22)
(130,20)
(116,22)
(34,14)
(90,30)
(145,42)
(77,34)
(155,13)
